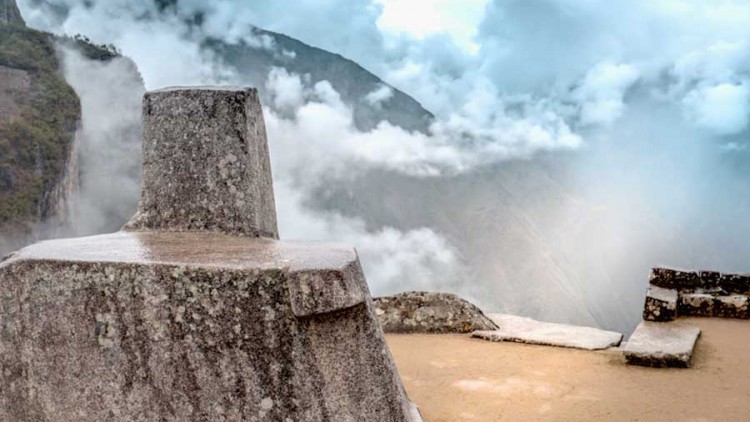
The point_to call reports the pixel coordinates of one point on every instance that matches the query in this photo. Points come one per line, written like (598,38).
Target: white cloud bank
(652,96)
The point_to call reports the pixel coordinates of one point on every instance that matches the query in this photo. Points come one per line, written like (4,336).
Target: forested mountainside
(39,116)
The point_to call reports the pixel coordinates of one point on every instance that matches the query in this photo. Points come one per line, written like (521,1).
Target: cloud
(421,18)
(576,142)
(723,109)
(378,96)
(602,90)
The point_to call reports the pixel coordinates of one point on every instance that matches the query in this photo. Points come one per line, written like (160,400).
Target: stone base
(191,327)
(661,345)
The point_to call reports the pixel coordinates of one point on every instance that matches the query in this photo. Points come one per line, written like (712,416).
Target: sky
(635,113)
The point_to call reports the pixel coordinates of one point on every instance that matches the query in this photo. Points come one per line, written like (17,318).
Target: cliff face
(40,114)
(9,13)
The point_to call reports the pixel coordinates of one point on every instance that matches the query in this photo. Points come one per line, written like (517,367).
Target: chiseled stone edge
(315,292)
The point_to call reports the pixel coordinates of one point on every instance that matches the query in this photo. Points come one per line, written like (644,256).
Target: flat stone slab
(661,304)
(192,327)
(661,345)
(526,330)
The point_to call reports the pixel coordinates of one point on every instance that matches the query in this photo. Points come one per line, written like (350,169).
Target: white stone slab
(526,330)
(658,344)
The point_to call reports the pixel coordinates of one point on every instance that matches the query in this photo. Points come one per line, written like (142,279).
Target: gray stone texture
(428,312)
(674,279)
(206,165)
(191,327)
(661,304)
(661,345)
(196,314)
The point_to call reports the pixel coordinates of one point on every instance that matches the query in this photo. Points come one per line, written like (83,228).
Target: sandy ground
(456,378)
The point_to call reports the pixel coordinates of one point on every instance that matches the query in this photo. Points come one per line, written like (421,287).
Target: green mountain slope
(39,116)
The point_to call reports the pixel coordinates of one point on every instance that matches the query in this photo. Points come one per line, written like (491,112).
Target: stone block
(674,279)
(661,304)
(732,306)
(206,165)
(709,279)
(735,283)
(192,327)
(696,305)
(661,345)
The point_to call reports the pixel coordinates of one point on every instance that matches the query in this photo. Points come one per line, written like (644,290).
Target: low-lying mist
(576,143)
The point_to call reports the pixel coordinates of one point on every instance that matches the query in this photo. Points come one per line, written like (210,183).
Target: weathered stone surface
(526,330)
(428,312)
(191,327)
(661,345)
(733,306)
(696,304)
(190,316)
(205,163)
(735,283)
(674,279)
(661,304)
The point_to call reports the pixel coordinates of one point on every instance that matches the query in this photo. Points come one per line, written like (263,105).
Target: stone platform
(662,345)
(191,327)
(430,312)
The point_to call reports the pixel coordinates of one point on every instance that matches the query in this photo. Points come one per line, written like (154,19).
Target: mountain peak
(9,12)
